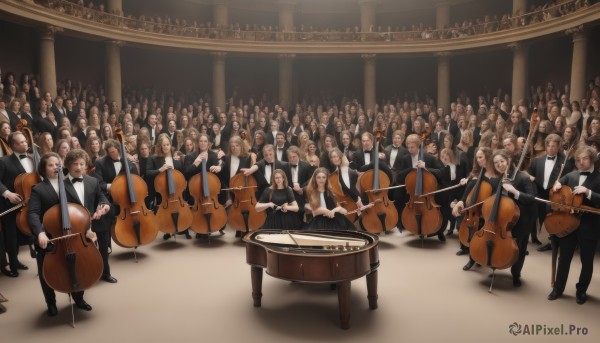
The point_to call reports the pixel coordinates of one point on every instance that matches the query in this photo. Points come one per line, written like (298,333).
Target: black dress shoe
(580,298)
(441,237)
(52,310)
(9,272)
(109,278)
(517,281)
(166,236)
(545,247)
(450,233)
(469,265)
(536,241)
(23,267)
(83,305)
(462,252)
(187,235)
(555,294)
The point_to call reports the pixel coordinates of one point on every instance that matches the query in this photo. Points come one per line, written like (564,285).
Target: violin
(383,216)
(25,182)
(135,225)
(242,214)
(174,214)
(563,220)
(422,215)
(208,214)
(343,199)
(73,263)
(471,218)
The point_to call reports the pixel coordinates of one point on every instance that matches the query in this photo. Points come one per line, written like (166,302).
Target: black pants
(515,270)
(11,240)
(103,245)
(587,250)
(49,294)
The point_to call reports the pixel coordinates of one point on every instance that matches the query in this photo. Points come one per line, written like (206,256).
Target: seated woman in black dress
(327,213)
(280,204)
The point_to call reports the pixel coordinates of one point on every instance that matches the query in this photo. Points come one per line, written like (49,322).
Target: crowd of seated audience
(262,32)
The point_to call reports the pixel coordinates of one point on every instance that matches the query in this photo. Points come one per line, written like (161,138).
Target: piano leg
(372,289)
(257,276)
(344,303)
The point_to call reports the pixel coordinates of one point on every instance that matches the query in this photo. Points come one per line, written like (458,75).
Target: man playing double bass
(585,180)
(80,189)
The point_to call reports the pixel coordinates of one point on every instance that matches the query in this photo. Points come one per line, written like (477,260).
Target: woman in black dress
(280,204)
(327,213)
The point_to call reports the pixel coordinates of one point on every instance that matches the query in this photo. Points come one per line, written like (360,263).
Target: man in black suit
(300,172)
(272,133)
(544,172)
(363,159)
(171,131)
(58,109)
(15,115)
(411,161)
(225,129)
(394,153)
(584,180)
(281,146)
(264,168)
(80,189)
(10,167)
(151,126)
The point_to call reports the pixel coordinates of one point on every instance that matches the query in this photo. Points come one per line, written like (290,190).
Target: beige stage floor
(192,291)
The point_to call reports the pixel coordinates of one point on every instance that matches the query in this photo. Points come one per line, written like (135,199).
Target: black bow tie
(76,179)
(22,156)
(551,158)
(279,149)
(115,161)
(294,166)
(395,148)
(367,151)
(586,173)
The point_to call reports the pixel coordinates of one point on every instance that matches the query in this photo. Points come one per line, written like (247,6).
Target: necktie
(22,156)
(551,158)
(77,179)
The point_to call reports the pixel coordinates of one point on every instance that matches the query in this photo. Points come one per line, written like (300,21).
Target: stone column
(219,80)
(47,60)
(578,63)
(113,72)
(443,92)
(220,13)
(519,6)
(368,14)
(519,72)
(442,14)
(286,63)
(370,78)
(115,6)
(286,14)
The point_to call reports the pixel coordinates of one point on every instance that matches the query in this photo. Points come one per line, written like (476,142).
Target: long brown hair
(313,189)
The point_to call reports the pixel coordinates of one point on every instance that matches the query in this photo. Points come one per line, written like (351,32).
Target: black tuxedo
(45,125)
(305,172)
(172,136)
(58,112)
(260,173)
(153,164)
(358,163)
(586,237)
(284,157)
(105,171)
(14,120)
(269,137)
(10,168)
(398,162)
(537,169)
(150,131)
(189,169)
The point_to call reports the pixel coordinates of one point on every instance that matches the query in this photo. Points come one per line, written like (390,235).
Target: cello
(72,263)
(135,224)
(25,182)
(343,199)
(174,214)
(470,223)
(242,214)
(209,215)
(422,215)
(383,216)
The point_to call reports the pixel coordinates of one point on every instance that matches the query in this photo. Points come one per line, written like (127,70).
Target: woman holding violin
(327,213)
(45,195)
(280,204)
(585,182)
(484,169)
(162,161)
(520,189)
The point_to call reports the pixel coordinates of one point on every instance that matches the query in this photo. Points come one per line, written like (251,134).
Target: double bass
(383,216)
(209,215)
(470,223)
(72,263)
(135,224)
(25,182)
(242,214)
(342,198)
(174,214)
(422,215)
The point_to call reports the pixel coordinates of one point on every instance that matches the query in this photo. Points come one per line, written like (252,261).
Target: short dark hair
(76,154)
(44,162)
